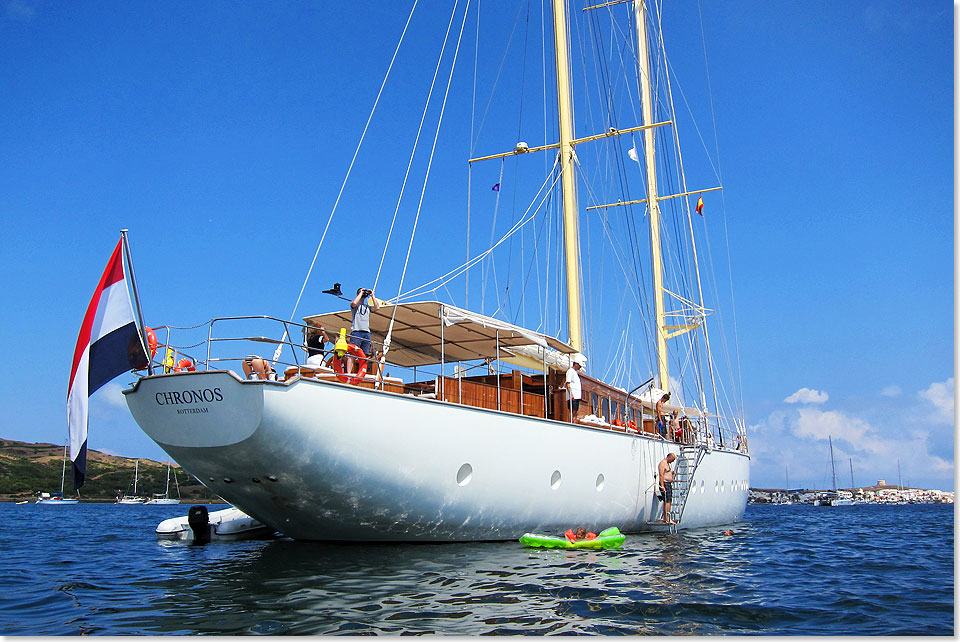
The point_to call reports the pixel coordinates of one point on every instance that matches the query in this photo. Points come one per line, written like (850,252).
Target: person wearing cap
(572,384)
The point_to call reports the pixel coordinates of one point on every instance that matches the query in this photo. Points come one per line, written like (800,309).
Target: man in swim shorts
(666,486)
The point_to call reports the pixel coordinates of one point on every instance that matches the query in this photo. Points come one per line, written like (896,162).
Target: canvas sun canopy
(428,332)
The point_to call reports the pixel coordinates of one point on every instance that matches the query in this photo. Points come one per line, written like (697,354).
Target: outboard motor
(199,520)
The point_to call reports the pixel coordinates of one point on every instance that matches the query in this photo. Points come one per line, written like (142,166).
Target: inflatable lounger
(609,538)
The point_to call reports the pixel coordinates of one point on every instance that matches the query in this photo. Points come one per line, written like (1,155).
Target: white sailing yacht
(134,498)
(834,498)
(319,454)
(164,497)
(59,500)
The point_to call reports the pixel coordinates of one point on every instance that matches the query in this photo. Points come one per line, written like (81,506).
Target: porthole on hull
(555,480)
(600,482)
(465,474)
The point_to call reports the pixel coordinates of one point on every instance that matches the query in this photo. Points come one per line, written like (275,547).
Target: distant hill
(27,469)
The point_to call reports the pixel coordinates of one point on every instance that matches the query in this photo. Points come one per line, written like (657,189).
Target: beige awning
(416,339)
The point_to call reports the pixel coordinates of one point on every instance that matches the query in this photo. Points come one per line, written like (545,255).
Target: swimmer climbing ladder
(690,457)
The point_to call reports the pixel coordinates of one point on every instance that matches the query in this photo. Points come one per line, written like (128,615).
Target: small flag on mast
(496,188)
(632,153)
(700,206)
(109,344)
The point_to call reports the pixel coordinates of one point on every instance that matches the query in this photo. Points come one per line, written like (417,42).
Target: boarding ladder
(683,479)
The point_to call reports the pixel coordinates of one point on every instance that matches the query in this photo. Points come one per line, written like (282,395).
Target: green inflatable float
(609,538)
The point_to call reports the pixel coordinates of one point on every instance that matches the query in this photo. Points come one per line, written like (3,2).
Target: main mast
(571,235)
(653,204)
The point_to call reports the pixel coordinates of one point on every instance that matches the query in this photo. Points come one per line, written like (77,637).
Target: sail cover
(428,332)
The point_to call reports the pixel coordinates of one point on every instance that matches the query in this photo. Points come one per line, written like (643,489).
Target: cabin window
(594,403)
(605,409)
(615,410)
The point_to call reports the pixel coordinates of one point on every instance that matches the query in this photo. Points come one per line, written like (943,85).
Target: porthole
(228,480)
(716,486)
(702,488)
(465,474)
(721,485)
(555,480)
(600,482)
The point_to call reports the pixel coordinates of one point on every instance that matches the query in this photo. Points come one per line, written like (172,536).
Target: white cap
(579,358)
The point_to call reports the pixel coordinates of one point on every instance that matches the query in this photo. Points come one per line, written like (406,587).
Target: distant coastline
(27,469)
(881,493)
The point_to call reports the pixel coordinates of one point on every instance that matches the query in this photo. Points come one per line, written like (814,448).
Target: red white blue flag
(109,344)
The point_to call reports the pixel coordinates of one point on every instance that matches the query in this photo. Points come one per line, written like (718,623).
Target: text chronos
(201,395)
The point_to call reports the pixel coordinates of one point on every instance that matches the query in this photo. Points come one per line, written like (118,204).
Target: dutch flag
(109,344)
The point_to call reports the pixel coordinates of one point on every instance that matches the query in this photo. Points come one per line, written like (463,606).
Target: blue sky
(220,133)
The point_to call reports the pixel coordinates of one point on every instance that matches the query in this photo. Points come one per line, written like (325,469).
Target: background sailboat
(834,498)
(134,498)
(47,499)
(164,498)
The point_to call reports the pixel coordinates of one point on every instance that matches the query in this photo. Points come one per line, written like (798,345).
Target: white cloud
(796,439)
(810,422)
(891,391)
(941,396)
(111,394)
(806,395)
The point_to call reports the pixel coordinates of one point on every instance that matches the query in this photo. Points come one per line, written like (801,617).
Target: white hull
(159,502)
(131,500)
(328,461)
(51,501)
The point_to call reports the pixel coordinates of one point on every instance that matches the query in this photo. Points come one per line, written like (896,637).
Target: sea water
(794,570)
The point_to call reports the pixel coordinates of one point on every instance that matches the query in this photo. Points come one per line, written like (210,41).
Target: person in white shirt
(572,385)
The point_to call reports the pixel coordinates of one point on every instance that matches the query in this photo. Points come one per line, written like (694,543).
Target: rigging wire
(416,143)
(733,305)
(426,178)
(454,273)
(505,300)
(276,355)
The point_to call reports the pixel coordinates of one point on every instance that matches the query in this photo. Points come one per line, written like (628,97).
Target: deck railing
(517,392)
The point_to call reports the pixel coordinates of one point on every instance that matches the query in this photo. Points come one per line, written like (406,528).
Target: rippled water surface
(796,570)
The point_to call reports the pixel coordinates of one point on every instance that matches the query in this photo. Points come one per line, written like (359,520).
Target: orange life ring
(151,341)
(185,364)
(361,371)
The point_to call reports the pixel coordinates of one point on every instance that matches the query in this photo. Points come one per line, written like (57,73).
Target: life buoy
(151,341)
(361,371)
(185,364)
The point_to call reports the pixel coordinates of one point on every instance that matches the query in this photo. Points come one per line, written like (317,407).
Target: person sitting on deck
(675,427)
(255,364)
(316,339)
